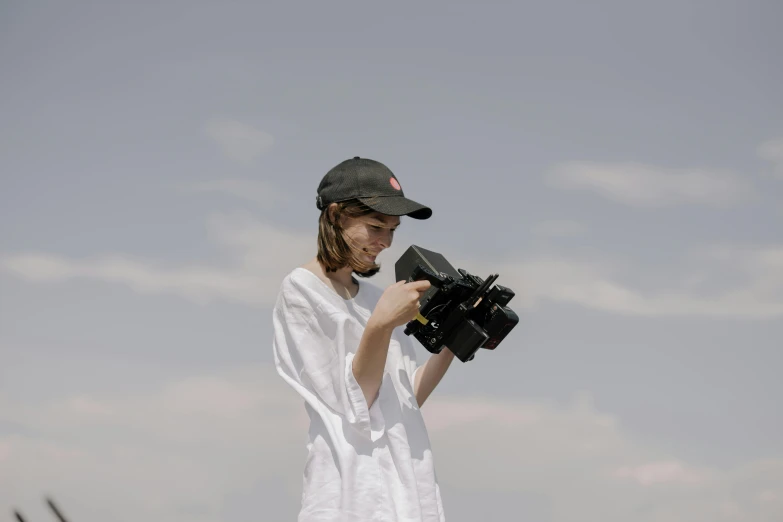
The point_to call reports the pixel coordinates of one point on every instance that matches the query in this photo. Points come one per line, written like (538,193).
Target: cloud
(238,141)
(201,284)
(665,472)
(772,151)
(190,448)
(649,186)
(256,191)
(253,275)
(757,292)
(179,451)
(570,458)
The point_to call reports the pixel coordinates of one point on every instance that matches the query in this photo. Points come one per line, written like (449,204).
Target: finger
(421,286)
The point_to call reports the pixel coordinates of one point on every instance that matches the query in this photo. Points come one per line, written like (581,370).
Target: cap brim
(397,206)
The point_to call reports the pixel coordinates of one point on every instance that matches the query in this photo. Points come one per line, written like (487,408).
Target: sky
(618,164)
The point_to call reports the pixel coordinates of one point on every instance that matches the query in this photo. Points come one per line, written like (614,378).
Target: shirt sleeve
(314,351)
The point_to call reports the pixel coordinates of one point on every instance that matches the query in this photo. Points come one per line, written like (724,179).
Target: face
(372,233)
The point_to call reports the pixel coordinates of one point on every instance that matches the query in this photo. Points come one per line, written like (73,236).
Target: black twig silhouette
(56,511)
(52,506)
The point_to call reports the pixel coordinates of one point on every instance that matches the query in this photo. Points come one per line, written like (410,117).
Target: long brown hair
(335,251)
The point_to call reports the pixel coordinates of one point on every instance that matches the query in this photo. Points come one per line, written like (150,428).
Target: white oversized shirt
(363,464)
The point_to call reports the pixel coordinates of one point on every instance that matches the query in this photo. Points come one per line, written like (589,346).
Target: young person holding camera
(338,342)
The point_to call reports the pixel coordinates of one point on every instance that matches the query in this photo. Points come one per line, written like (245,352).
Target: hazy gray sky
(619,164)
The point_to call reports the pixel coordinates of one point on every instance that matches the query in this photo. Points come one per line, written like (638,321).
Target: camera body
(460,311)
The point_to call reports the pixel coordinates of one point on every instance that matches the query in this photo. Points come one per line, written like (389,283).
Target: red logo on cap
(395,183)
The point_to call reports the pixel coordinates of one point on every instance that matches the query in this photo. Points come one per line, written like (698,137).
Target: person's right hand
(399,303)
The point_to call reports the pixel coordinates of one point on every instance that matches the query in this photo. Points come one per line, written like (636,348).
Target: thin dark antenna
(56,511)
(18,516)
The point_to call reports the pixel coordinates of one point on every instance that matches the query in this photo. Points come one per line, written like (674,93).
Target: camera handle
(421,273)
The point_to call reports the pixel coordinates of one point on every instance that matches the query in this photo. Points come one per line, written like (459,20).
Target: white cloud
(254,273)
(256,191)
(772,151)
(198,283)
(664,472)
(700,290)
(238,141)
(186,449)
(574,458)
(643,185)
(253,277)
(177,452)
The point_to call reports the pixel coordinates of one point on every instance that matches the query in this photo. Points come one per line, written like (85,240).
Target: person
(339,342)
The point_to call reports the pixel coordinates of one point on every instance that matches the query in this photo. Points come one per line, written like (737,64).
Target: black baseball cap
(372,183)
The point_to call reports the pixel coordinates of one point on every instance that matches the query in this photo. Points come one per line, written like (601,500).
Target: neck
(344,276)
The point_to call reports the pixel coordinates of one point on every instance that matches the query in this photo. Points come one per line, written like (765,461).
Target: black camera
(459,311)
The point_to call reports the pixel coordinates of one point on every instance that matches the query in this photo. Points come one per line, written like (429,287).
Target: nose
(386,238)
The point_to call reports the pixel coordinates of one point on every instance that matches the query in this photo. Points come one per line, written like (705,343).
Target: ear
(332,212)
